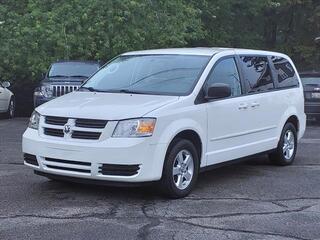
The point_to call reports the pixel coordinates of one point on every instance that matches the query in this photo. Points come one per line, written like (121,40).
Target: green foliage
(34,33)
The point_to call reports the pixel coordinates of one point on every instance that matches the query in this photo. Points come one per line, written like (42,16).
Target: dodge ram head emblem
(67,129)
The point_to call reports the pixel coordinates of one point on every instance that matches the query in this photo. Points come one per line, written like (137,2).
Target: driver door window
(226,72)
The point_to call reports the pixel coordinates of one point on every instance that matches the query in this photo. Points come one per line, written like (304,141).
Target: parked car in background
(7,103)
(311,85)
(63,77)
(166,115)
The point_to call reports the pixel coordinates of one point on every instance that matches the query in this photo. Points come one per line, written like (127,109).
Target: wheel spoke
(180,157)
(176,171)
(288,153)
(290,137)
(188,176)
(187,160)
(180,180)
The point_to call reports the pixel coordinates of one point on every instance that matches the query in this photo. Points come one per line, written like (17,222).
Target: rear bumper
(312,109)
(86,159)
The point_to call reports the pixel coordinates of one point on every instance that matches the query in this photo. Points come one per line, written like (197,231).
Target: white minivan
(165,115)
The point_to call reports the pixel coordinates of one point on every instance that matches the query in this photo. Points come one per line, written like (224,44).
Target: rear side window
(257,73)
(286,75)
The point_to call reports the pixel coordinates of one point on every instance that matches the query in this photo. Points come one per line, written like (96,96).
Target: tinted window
(286,74)
(72,69)
(150,74)
(257,73)
(226,72)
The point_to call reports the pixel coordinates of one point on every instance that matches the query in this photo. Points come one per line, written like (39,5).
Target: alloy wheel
(288,145)
(183,169)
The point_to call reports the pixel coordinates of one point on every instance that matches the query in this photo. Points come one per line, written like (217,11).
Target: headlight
(142,127)
(45,91)
(34,120)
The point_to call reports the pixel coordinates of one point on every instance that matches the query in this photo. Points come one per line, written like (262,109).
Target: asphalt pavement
(251,200)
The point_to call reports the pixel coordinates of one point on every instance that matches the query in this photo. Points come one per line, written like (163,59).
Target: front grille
(91,123)
(53,132)
(84,129)
(86,135)
(67,165)
(59,90)
(118,170)
(30,159)
(60,121)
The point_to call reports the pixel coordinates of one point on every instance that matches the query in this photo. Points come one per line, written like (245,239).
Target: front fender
(177,126)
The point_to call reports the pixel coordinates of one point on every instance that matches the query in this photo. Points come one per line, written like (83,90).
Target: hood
(108,106)
(64,81)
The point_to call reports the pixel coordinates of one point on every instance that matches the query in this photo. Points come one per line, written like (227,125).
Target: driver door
(228,118)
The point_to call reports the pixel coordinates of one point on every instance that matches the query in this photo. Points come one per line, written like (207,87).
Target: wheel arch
(192,136)
(295,121)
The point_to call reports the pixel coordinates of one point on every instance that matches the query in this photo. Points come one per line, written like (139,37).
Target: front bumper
(111,151)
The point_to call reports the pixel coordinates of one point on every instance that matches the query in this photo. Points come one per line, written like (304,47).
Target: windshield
(149,74)
(72,69)
(311,81)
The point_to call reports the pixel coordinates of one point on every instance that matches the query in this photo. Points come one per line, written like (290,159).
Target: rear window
(257,73)
(286,75)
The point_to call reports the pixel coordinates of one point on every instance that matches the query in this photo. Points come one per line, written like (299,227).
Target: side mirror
(6,84)
(43,75)
(217,91)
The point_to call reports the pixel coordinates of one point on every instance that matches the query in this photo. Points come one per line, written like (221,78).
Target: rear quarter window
(257,73)
(285,73)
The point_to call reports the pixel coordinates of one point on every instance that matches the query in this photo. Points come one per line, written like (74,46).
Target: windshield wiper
(130,91)
(58,76)
(79,76)
(90,89)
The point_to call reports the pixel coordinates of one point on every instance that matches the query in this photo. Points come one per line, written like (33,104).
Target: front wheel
(287,147)
(11,109)
(180,170)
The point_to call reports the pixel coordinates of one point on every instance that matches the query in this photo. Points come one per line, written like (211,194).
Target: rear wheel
(287,147)
(180,170)
(11,109)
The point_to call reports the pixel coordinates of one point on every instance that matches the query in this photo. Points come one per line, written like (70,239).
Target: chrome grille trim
(60,90)
(61,121)
(77,129)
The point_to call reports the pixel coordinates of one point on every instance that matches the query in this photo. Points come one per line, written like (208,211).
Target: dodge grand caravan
(165,115)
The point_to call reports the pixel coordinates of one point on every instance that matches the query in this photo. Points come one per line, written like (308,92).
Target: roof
(204,51)
(184,51)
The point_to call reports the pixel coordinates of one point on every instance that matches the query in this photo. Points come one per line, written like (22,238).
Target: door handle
(243,106)
(255,104)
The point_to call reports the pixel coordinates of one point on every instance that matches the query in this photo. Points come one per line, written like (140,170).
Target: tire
(179,179)
(286,151)
(11,109)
